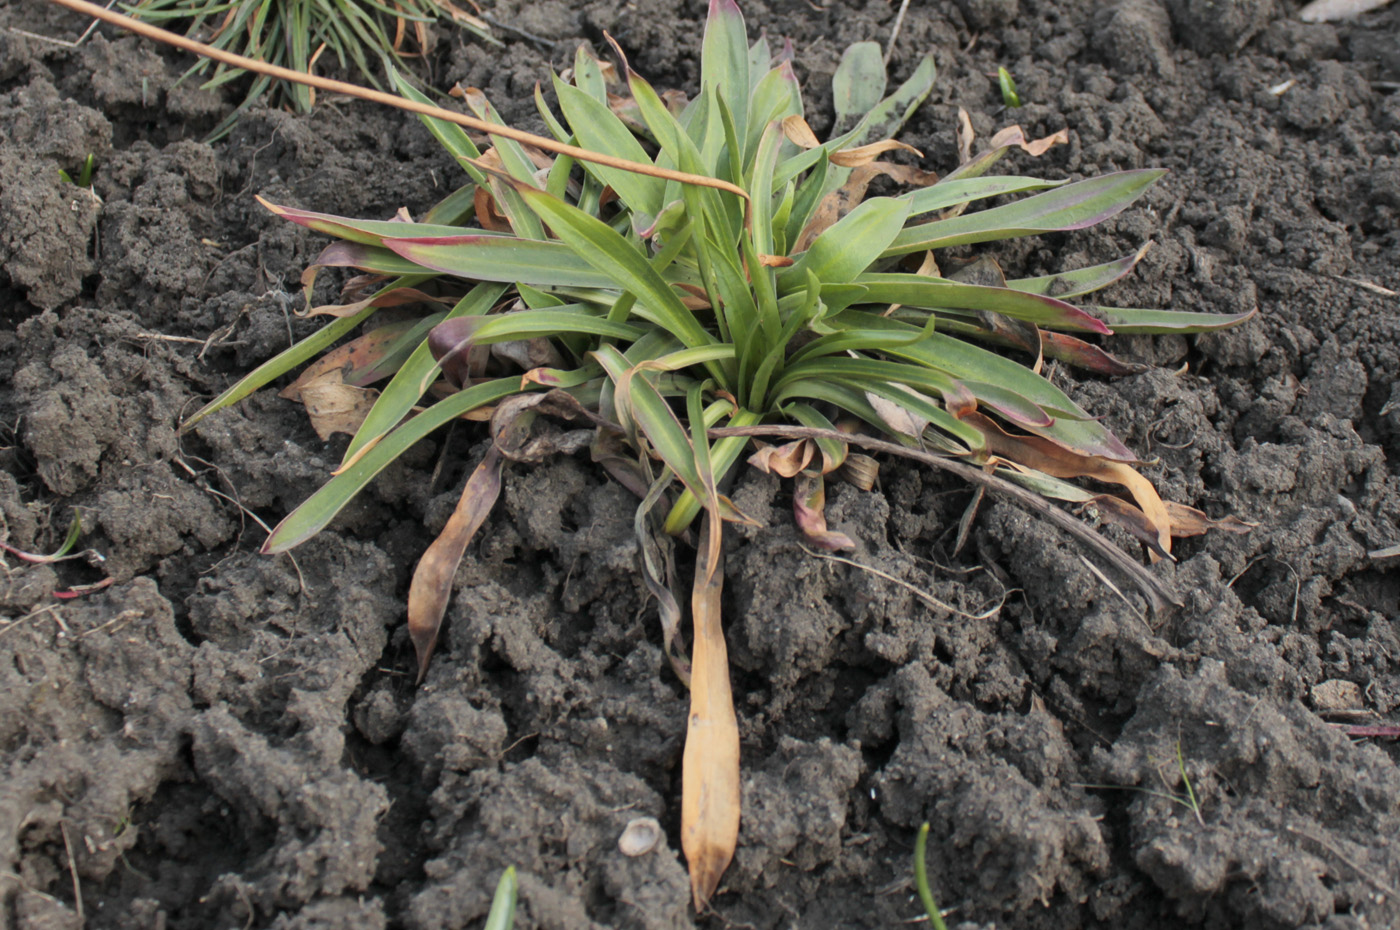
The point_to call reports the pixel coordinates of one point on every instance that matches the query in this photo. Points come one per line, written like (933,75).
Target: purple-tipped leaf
(1074,206)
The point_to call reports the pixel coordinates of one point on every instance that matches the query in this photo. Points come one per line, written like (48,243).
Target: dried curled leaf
(334,406)
(786,460)
(710,765)
(809,510)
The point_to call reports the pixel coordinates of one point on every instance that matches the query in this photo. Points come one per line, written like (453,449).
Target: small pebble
(641,837)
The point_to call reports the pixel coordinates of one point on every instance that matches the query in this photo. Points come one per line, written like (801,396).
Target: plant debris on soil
(222,739)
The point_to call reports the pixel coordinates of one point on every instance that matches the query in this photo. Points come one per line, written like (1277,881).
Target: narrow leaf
(939,293)
(858,84)
(504,259)
(710,765)
(848,248)
(1074,206)
(1068,284)
(320,508)
(1148,322)
(432,579)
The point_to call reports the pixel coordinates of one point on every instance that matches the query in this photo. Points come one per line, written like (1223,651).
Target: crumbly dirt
(223,739)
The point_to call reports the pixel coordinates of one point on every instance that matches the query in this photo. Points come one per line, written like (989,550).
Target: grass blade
(1127,321)
(608,253)
(503,259)
(1074,206)
(845,250)
(320,508)
(939,293)
(502,916)
(432,579)
(412,380)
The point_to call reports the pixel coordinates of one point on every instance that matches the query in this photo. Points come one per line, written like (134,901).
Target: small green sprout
(502,916)
(85,174)
(1008,88)
(935,916)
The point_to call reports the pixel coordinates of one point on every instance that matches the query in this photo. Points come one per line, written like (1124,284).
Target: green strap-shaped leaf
(939,293)
(849,247)
(639,402)
(412,380)
(368,258)
(775,96)
(365,232)
(858,84)
(502,916)
(623,263)
(869,370)
(1148,322)
(947,193)
(1068,284)
(320,508)
(1074,206)
(588,75)
(851,398)
(290,358)
(966,362)
(502,258)
(572,318)
(599,130)
(723,455)
(724,60)
(452,137)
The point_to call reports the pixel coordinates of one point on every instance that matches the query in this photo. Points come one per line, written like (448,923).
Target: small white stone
(641,837)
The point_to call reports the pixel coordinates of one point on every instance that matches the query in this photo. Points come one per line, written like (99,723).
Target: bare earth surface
(226,740)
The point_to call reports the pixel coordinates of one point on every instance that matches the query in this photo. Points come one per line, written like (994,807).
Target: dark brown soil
(226,740)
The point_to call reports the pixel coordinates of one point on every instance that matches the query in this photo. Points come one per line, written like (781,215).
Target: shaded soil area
(222,739)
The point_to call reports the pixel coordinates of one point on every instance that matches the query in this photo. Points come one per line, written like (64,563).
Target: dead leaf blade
(432,579)
(710,767)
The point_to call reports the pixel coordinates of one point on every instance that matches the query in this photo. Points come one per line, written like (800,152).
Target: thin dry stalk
(391,100)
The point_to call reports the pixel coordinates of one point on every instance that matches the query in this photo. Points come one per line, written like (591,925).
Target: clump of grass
(677,276)
(366,36)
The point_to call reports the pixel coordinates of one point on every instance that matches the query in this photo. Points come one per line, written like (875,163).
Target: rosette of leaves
(652,311)
(364,35)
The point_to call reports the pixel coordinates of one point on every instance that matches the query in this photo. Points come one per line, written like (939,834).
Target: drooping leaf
(1062,463)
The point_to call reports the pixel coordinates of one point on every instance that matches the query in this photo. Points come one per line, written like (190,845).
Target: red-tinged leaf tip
(621,57)
(543,376)
(725,8)
(271,207)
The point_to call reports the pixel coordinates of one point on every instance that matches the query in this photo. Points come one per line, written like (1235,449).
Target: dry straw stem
(391,100)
